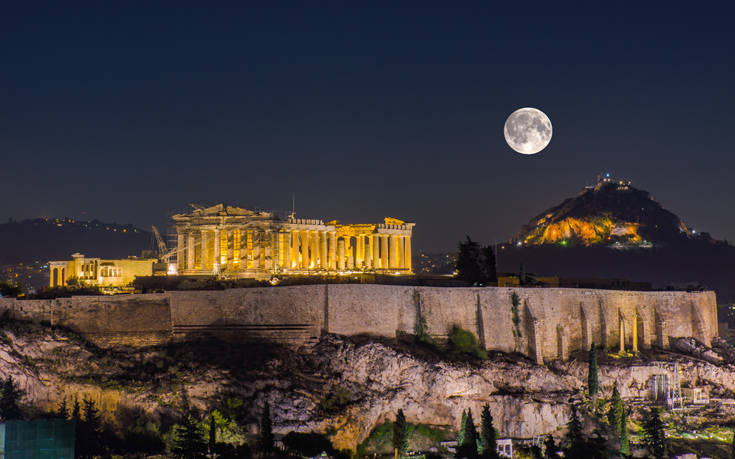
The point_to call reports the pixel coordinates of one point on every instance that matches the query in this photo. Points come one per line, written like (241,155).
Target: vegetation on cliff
(142,394)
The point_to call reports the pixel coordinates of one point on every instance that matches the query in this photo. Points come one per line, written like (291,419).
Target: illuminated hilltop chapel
(241,243)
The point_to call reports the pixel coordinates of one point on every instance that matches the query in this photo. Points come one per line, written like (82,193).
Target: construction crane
(160,244)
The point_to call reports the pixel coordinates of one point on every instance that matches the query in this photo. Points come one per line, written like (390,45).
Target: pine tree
(490,273)
(188,439)
(10,400)
(624,436)
(400,434)
(469,262)
(654,436)
(62,412)
(75,412)
(574,442)
(265,440)
(615,415)
(89,431)
(488,443)
(593,384)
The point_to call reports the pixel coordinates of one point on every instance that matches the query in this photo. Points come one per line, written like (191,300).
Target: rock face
(347,386)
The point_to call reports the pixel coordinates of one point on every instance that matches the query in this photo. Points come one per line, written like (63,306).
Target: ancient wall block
(498,327)
(371,309)
(444,308)
(291,315)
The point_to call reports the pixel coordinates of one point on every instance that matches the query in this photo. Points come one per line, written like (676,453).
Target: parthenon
(241,243)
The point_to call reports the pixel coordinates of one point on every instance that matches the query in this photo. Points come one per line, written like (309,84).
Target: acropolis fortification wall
(544,324)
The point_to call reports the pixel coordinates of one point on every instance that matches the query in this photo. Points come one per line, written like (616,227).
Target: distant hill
(613,230)
(44,239)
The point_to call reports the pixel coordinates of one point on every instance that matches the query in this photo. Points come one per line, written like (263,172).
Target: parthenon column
(304,249)
(230,248)
(341,254)
(323,253)
(203,249)
(383,251)
(369,253)
(217,246)
(332,250)
(392,251)
(190,250)
(180,252)
(407,256)
(293,249)
(360,249)
(374,241)
(315,250)
(255,248)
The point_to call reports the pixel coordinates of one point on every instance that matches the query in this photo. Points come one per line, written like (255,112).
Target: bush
(307,444)
(465,341)
(336,399)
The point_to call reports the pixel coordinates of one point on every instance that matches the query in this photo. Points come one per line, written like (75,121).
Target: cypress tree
(265,441)
(468,448)
(654,436)
(400,433)
(593,384)
(463,423)
(212,434)
(488,443)
(615,415)
(624,436)
(10,400)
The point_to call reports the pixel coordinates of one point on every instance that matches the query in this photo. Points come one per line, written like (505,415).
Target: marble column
(384,251)
(286,249)
(323,254)
(180,251)
(230,248)
(341,254)
(360,252)
(314,246)
(203,250)
(392,251)
(333,250)
(369,253)
(255,248)
(407,255)
(190,247)
(375,242)
(304,249)
(294,238)
(217,247)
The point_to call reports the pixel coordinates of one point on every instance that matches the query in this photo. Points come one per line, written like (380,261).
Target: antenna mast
(293,205)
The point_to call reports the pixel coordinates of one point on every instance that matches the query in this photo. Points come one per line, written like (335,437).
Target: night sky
(129,112)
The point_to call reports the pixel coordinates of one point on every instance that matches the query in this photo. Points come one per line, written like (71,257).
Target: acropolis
(240,243)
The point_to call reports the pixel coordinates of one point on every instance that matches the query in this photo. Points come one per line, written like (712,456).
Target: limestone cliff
(373,379)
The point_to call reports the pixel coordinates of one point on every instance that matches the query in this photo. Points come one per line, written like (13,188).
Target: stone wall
(549,322)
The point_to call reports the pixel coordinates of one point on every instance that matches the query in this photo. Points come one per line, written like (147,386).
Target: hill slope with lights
(611,213)
(613,230)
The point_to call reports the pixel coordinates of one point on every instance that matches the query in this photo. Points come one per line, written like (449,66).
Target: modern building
(41,438)
(241,243)
(98,272)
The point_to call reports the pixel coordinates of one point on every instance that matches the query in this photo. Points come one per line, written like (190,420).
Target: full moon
(528,130)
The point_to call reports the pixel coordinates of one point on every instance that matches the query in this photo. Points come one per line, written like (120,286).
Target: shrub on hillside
(465,341)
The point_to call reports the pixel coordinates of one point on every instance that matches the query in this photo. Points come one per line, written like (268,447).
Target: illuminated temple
(241,243)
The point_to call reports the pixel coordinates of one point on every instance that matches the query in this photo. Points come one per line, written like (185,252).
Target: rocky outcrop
(342,385)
